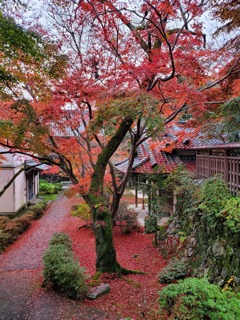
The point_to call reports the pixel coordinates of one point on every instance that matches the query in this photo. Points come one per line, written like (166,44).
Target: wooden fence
(226,166)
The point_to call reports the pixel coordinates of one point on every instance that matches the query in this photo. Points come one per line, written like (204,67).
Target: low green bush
(150,224)
(176,269)
(10,229)
(61,270)
(61,238)
(58,186)
(198,299)
(49,187)
(5,239)
(83,211)
(14,228)
(25,220)
(213,196)
(38,209)
(231,214)
(3,221)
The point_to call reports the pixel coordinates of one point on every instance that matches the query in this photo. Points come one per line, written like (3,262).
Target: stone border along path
(21,274)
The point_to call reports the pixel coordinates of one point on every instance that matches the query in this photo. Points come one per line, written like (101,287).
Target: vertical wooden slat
(227,167)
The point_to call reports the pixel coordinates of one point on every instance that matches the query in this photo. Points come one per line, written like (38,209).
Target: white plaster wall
(15,196)
(20,190)
(37,184)
(7,199)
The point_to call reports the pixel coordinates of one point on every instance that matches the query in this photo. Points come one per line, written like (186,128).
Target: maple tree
(131,69)
(227,11)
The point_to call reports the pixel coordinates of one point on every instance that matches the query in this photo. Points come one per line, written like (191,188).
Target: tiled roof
(155,160)
(187,138)
(163,156)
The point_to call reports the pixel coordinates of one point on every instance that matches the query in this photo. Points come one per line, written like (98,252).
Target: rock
(98,291)
(218,249)
(237,253)
(221,283)
(190,252)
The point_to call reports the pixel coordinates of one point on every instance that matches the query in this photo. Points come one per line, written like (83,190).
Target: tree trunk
(102,225)
(102,222)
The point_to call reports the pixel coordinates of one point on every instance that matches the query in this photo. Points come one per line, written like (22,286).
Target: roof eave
(231,145)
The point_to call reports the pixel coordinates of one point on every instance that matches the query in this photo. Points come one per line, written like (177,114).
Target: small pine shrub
(195,298)
(38,209)
(61,238)
(61,270)
(176,269)
(25,220)
(5,239)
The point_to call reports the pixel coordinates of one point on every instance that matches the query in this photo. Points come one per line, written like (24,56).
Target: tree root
(120,271)
(125,271)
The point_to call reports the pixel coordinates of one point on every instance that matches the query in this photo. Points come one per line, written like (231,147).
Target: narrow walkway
(21,274)
(143,212)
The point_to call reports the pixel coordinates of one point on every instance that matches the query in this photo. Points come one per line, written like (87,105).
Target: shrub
(25,220)
(150,224)
(61,238)
(176,269)
(38,209)
(126,218)
(49,187)
(58,186)
(161,233)
(61,270)
(14,228)
(3,221)
(11,228)
(231,212)
(194,298)
(83,211)
(5,239)
(213,195)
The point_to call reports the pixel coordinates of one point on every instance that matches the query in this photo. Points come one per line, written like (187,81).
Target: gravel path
(21,295)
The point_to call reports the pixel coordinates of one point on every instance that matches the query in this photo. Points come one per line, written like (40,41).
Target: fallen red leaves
(134,295)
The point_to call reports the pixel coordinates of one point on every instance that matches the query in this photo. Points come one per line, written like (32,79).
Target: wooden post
(225,177)
(143,204)
(209,164)
(174,201)
(136,192)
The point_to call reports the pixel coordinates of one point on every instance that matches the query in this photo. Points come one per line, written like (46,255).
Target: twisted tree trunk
(102,222)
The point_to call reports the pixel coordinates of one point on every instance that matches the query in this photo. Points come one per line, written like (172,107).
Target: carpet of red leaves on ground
(134,295)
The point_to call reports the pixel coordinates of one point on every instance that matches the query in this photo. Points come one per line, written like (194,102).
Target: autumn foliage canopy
(104,72)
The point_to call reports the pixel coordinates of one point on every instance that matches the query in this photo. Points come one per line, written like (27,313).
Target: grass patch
(50,197)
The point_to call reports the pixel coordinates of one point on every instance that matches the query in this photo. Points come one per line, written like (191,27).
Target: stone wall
(210,247)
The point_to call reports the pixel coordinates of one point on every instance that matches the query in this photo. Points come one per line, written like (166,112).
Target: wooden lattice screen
(227,167)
